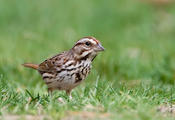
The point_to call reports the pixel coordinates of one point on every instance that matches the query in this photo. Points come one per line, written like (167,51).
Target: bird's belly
(66,80)
(64,84)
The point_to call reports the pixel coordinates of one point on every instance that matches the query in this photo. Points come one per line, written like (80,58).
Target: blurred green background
(139,37)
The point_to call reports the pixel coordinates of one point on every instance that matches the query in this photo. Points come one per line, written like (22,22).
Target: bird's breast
(69,76)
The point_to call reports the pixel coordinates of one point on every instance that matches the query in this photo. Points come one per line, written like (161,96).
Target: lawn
(131,80)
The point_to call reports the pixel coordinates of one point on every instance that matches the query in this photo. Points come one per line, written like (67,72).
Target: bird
(67,70)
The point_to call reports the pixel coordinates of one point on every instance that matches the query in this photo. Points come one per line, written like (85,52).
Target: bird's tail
(30,65)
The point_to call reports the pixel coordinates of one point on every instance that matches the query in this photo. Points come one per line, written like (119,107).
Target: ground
(133,79)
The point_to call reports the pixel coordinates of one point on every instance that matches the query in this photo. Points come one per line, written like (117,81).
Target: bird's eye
(88,43)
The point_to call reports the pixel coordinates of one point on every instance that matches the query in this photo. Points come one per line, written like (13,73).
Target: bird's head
(87,47)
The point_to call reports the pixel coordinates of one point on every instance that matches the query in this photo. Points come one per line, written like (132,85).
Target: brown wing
(53,64)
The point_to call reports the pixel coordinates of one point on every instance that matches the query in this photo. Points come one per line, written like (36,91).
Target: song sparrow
(67,70)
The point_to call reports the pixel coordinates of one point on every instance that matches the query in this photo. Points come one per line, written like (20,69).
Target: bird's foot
(61,100)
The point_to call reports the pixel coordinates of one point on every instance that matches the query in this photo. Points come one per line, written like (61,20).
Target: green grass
(129,81)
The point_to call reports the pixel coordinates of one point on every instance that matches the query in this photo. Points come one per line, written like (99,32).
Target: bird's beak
(100,48)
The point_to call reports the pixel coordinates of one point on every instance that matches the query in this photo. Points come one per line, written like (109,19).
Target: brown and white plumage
(67,70)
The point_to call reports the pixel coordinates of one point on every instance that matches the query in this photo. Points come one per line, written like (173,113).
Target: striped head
(87,47)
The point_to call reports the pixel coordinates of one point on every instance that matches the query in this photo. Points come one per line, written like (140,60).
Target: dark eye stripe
(79,44)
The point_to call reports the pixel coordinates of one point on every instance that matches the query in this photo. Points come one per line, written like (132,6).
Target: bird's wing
(52,64)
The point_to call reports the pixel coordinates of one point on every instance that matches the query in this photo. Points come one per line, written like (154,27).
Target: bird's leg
(68,92)
(50,91)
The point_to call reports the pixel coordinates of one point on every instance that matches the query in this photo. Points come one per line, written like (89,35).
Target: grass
(130,80)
